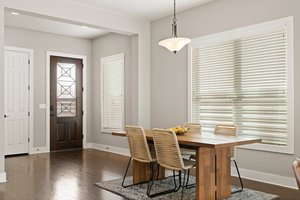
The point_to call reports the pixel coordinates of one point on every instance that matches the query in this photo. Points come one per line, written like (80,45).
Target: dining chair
(139,150)
(230,130)
(296,168)
(192,128)
(169,156)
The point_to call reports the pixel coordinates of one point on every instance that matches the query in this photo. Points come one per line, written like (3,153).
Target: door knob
(5,116)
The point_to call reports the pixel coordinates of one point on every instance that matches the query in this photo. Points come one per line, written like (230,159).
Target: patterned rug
(138,192)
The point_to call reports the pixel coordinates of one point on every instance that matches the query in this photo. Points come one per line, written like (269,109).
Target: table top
(205,139)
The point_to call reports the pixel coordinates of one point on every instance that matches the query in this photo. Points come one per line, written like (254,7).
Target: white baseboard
(37,150)
(3,177)
(107,148)
(266,178)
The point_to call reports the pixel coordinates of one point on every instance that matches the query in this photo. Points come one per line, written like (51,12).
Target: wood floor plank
(70,175)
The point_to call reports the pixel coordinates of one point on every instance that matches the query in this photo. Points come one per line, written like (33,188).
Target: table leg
(212,173)
(223,173)
(205,174)
(141,172)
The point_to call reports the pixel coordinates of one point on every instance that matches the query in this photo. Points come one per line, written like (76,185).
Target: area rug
(138,192)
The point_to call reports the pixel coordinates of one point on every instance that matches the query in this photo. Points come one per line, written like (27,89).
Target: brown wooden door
(65,103)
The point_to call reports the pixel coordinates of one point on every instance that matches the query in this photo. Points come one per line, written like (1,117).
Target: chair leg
(241,182)
(152,174)
(129,161)
(157,176)
(174,179)
(187,181)
(182,190)
(175,189)
(123,181)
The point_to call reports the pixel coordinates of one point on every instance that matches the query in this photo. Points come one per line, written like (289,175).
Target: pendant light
(174,43)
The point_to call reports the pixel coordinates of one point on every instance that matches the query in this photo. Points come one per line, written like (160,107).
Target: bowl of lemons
(179,130)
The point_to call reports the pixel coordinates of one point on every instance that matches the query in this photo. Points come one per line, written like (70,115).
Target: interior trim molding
(3,177)
(266,177)
(38,150)
(108,148)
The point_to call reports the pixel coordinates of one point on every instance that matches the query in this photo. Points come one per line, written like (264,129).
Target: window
(245,76)
(112,93)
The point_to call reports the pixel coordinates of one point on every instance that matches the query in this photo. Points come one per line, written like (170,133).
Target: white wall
(169,72)
(65,11)
(90,16)
(105,46)
(1,93)
(41,43)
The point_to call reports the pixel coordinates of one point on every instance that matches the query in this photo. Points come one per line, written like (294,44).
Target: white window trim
(244,32)
(103,59)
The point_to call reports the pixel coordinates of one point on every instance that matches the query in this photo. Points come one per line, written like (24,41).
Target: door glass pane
(66,90)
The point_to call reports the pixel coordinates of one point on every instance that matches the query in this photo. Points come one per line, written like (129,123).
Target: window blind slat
(112,73)
(243,81)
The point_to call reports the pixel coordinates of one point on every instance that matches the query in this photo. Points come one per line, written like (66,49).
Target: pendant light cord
(174,44)
(174,25)
(174,19)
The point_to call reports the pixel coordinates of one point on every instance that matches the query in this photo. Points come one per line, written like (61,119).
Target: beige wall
(105,46)
(41,43)
(169,72)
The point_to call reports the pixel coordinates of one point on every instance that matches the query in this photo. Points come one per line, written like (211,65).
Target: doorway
(66,88)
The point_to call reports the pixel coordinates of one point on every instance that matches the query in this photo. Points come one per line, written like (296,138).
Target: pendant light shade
(174,43)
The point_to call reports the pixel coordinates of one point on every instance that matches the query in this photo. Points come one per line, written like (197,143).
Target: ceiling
(51,26)
(145,9)
(141,9)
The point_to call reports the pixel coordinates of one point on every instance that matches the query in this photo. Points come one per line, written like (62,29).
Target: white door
(16,118)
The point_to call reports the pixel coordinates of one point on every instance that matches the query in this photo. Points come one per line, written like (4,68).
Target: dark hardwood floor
(70,175)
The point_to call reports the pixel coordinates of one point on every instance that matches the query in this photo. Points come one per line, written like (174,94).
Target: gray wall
(40,43)
(169,72)
(105,46)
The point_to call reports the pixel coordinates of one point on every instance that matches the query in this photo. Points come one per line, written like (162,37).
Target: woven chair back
(193,127)
(228,130)
(167,149)
(138,146)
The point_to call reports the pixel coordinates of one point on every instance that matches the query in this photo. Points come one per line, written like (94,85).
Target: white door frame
(84,75)
(30,95)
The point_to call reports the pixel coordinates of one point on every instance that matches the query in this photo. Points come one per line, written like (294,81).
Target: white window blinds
(243,81)
(112,92)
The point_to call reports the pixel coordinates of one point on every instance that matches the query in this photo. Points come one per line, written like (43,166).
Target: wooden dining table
(212,162)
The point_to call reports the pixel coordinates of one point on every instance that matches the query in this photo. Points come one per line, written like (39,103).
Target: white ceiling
(145,9)
(141,9)
(51,26)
